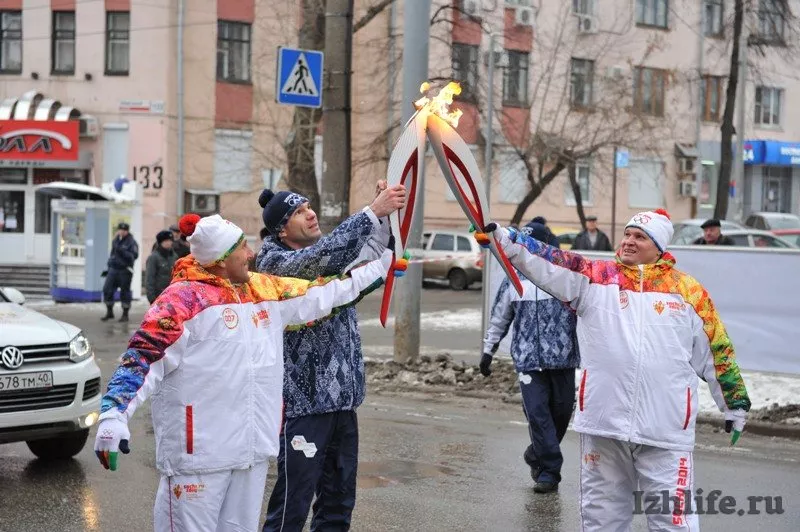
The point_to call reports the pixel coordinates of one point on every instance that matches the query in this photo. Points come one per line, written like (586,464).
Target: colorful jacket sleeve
(153,352)
(713,357)
(303,302)
(564,275)
(501,319)
(331,255)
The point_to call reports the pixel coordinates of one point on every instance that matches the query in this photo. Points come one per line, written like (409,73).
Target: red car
(792,235)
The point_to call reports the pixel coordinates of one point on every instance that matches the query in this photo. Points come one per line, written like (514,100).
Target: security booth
(83,224)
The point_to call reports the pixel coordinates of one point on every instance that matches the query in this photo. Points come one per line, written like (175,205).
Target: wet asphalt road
(428,462)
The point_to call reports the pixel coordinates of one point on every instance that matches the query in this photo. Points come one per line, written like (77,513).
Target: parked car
(566,236)
(770,221)
(49,381)
(687,231)
(454,256)
(790,235)
(758,239)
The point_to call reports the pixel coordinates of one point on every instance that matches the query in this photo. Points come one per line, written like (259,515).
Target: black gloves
(486,361)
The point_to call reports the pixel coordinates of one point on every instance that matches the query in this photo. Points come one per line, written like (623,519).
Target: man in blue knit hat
(544,347)
(323,365)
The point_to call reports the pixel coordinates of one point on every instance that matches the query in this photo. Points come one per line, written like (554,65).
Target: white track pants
(227,501)
(612,470)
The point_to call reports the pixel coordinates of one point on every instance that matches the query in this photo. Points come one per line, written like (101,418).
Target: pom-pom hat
(278,207)
(211,239)
(656,224)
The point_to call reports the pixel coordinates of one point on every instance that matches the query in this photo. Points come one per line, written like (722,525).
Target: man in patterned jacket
(324,369)
(648,334)
(544,347)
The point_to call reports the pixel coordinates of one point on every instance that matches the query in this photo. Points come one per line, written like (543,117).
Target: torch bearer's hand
(380,186)
(734,419)
(389,200)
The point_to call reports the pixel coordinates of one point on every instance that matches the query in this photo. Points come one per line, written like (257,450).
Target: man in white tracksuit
(646,332)
(210,354)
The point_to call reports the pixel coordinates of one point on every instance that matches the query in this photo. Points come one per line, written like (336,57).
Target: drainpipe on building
(180,165)
(488,159)
(392,73)
(701,52)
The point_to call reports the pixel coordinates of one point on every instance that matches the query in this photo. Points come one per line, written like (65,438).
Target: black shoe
(109,314)
(545,487)
(124,316)
(535,472)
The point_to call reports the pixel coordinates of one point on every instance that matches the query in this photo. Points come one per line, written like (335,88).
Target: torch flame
(440,104)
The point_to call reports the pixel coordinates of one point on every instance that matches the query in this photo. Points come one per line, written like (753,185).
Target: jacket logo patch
(177,491)
(299,443)
(623,299)
(230,318)
(591,459)
(194,491)
(260,318)
(659,306)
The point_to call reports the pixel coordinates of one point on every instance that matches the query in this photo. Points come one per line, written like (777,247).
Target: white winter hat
(656,224)
(211,239)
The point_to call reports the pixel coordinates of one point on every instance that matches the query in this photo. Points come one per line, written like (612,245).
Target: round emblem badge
(230,318)
(623,299)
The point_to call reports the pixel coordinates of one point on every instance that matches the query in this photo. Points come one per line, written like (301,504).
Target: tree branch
(371,13)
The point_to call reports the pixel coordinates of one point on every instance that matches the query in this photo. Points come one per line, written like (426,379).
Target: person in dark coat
(179,244)
(124,252)
(159,266)
(592,239)
(712,235)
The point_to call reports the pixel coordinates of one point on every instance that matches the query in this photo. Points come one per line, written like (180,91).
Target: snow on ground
(443,320)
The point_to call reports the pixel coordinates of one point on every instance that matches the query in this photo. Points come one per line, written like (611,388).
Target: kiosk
(83,225)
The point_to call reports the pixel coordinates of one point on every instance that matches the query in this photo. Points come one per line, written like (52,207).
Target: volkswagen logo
(11,357)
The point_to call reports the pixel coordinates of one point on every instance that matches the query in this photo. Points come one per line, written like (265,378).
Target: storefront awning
(76,191)
(771,153)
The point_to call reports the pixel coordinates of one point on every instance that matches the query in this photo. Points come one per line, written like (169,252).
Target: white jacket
(646,333)
(211,356)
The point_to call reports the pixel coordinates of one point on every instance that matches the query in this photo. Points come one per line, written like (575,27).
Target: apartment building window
(649,85)
(768,106)
(581,81)
(583,174)
(712,18)
(10,42)
(118,43)
(771,20)
(233,51)
(63,52)
(465,69)
(514,182)
(652,12)
(711,97)
(515,79)
(583,7)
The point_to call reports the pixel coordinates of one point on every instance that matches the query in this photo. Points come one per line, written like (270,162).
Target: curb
(760,428)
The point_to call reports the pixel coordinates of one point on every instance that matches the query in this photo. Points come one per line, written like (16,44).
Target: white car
(49,381)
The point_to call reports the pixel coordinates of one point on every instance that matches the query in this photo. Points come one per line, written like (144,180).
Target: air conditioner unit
(203,203)
(525,16)
(89,127)
(587,23)
(470,8)
(687,189)
(500,59)
(615,72)
(686,165)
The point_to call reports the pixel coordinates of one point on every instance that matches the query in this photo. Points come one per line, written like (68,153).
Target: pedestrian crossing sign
(299,78)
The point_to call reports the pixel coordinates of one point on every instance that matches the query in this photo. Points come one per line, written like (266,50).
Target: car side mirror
(14,295)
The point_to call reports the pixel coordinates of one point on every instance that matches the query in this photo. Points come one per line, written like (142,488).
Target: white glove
(112,436)
(735,419)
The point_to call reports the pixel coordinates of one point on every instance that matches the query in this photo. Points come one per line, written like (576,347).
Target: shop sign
(35,140)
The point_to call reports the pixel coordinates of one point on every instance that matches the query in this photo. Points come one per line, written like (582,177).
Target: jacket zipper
(250,388)
(638,351)
(582,390)
(189,429)
(688,407)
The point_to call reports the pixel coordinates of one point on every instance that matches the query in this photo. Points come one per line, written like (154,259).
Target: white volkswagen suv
(49,381)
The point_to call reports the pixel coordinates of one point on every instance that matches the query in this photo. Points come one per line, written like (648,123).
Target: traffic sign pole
(299,77)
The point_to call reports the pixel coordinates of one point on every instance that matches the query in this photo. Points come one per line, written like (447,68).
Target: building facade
(573,82)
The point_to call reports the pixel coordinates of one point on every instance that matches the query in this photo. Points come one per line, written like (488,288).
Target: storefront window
(73,236)
(43,213)
(12,211)
(707,195)
(13,177)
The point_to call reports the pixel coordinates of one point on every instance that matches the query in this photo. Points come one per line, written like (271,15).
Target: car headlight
(80,348)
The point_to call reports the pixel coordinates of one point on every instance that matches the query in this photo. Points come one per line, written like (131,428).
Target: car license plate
(26,381)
